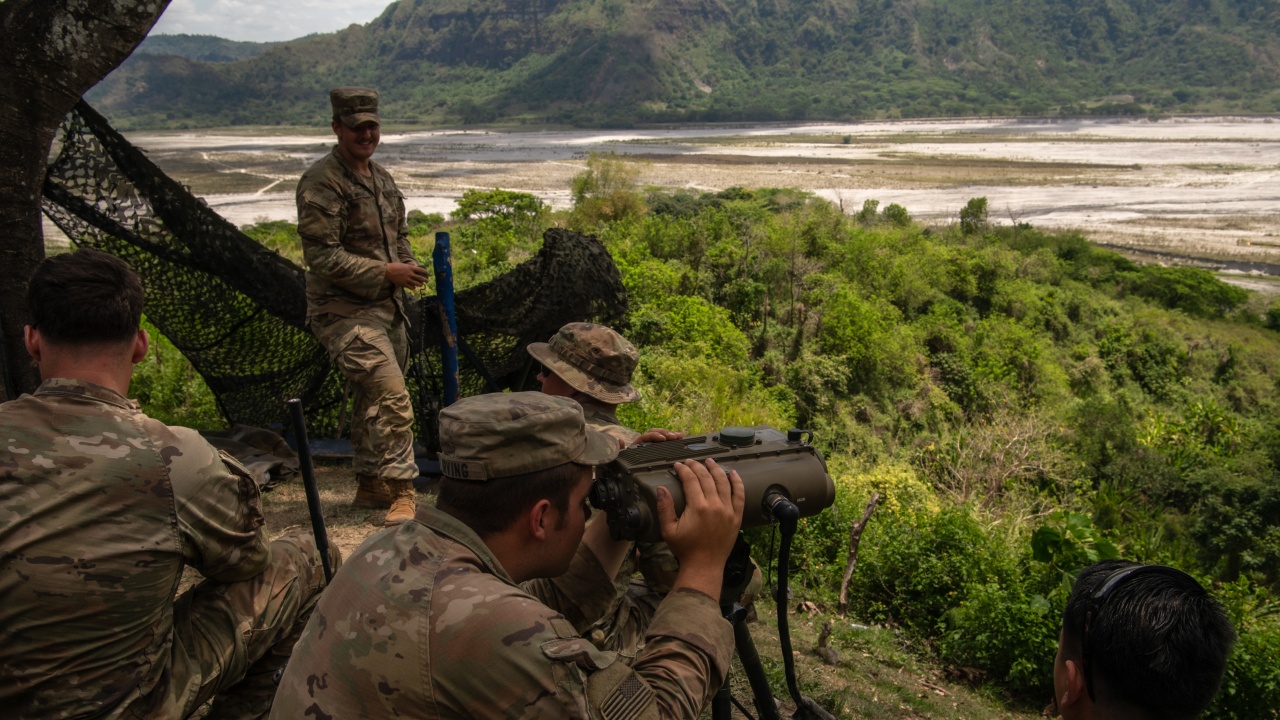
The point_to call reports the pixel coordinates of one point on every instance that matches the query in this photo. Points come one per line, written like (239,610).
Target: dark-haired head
(1150,641)
(85,297)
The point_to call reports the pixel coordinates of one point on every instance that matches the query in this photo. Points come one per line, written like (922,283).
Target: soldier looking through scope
(476,608)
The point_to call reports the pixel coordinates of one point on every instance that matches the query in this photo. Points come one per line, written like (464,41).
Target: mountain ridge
(608,62)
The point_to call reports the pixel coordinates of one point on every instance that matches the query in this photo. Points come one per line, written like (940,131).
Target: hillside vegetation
(594,62)
(1024,402)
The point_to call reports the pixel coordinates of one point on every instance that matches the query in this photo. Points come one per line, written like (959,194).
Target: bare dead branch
(855,537)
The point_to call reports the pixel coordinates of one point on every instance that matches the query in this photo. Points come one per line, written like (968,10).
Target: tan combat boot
(404,503)
(371,493)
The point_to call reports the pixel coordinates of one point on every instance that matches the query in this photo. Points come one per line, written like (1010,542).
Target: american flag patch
(628,700)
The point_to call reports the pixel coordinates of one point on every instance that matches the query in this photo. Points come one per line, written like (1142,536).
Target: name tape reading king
(768,461)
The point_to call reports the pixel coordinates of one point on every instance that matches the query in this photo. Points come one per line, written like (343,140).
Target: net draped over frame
(237,310)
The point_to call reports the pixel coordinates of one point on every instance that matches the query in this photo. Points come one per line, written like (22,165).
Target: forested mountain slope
(626,61)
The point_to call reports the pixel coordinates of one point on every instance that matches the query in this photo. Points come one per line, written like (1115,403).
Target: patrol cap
(497,435)
(592,359)
(354,105)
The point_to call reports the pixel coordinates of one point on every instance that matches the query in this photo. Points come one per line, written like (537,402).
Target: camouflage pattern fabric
(351,228)
(371,355)
(592,359)
(101,508)
(423,622)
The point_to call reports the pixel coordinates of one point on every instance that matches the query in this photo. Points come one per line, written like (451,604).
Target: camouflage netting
(237,310)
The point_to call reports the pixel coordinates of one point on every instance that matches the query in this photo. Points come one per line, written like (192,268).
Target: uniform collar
(606,411)
(370,182)
(445,524)
(84,389)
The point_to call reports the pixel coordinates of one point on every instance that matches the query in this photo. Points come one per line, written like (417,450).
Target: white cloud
(262,21)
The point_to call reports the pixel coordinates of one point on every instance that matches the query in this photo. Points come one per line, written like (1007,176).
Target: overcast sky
(261,20)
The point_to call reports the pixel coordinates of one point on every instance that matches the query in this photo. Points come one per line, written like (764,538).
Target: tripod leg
(765,706)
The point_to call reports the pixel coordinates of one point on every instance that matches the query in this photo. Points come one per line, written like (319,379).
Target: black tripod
(738,571)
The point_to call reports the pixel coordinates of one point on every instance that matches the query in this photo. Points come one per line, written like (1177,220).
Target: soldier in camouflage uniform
(101,507)
(355,240)
(475,609)
(593,365)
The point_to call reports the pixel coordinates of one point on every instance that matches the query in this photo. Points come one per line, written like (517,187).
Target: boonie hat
(592,359)
(502,434)
(354,105)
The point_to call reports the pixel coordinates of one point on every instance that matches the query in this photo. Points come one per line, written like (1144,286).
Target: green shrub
(1008,632)
(914,567)
(1251,686)
(170,390)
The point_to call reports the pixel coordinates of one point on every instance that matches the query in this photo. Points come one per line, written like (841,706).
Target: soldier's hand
(702,536)
(406,275)
(657,435)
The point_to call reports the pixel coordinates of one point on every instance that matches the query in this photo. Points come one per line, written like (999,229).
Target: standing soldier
(351,218)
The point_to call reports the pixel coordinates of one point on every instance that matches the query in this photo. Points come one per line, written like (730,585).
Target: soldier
(593,364)
(101,507)
(355,241)
(1139,641)
(475,609)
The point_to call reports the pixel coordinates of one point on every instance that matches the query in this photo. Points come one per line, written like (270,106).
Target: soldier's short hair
(490,507)
(85,297)
(1148,636)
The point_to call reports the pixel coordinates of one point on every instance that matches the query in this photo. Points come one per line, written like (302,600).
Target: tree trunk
(54,51)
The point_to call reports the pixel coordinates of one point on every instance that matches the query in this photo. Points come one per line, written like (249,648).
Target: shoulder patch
(322,199)
(579,651)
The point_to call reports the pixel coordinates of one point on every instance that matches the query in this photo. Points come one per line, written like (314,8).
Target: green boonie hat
(354,105)
(502,434)
(593,359)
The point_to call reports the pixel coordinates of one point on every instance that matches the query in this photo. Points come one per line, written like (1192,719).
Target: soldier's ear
(540,519)
(141,343)
(31,338)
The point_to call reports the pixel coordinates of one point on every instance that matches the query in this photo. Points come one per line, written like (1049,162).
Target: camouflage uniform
(101,507)
(424,622)
(598,362)
(351,228)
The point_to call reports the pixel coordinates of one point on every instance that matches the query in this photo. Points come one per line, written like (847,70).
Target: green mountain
(625,61)
(204,48)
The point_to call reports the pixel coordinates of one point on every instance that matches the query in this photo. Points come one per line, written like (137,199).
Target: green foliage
(1007,631)
(495,221)
(1251,686)
(170,390)
(1067,543)
(1192,290)
(973,216)
(915,567)
(605,192)
(279,235)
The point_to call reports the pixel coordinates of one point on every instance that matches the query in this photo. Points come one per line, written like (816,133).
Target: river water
(1202,187)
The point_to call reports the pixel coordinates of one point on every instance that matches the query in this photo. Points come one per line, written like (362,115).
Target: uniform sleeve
(583,594)
(322,221)
(219,510)
(403,249)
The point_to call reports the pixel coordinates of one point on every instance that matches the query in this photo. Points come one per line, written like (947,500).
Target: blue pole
(442,259)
